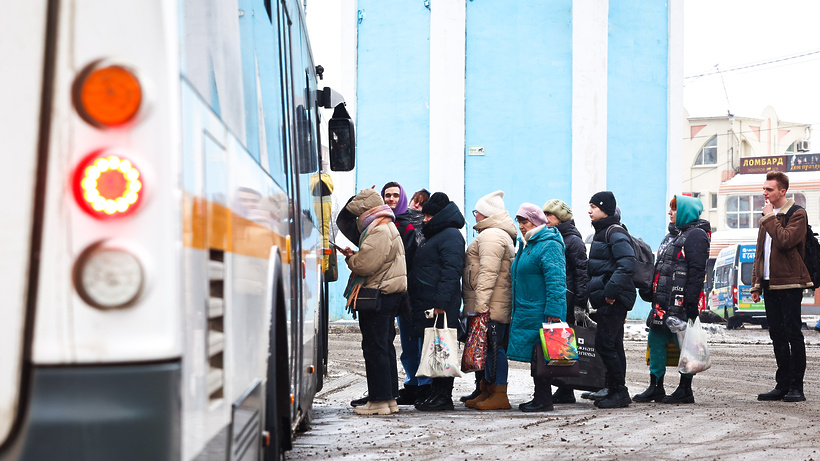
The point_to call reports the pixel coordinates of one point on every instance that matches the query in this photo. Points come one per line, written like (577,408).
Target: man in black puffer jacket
(434,282)
(612,292)
(680,269)
(559,214)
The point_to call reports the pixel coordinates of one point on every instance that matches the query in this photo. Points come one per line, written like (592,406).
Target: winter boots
(408,395)
(497,400)
(654,392)
(541,399)
(596,395)
(618,397)
(683,394)
(374,408)
(441,397)
(563,395)
(486,392)
(479,379)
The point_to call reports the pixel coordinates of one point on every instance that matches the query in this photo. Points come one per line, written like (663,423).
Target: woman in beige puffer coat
(487,289)
(379,263)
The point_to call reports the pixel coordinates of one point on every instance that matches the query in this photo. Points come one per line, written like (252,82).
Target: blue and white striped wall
(562,99)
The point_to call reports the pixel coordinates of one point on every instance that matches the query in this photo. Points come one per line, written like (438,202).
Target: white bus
(162,243)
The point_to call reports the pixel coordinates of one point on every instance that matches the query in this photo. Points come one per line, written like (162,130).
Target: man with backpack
(780,274)
(612,292)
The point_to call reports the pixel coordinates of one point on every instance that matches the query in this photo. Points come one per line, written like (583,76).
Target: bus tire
(277,390)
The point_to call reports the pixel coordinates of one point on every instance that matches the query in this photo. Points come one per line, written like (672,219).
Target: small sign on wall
(475,150)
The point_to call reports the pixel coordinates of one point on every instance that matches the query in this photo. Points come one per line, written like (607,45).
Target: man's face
(595,213)
(427,217)
(773,193)
(391,197)
(478,216)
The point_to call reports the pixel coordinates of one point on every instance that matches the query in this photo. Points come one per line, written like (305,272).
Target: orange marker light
(107,96)
(108,186)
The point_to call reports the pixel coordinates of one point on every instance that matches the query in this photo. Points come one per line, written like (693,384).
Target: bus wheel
(733,323)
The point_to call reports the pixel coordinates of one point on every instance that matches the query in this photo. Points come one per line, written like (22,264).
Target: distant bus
(730,296)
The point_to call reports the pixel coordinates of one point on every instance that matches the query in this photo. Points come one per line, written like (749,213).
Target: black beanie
(605,200)
(435,203)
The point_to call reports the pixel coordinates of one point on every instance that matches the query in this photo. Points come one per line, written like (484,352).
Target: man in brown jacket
(779,273)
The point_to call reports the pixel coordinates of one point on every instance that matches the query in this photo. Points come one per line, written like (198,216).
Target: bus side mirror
(342,138)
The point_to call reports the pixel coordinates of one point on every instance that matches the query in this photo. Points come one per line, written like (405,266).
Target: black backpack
(811,256)
(644,259)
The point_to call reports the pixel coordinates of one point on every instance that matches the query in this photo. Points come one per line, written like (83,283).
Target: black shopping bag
(539,367)
(592,374)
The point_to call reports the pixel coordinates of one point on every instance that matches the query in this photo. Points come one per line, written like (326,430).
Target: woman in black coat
(680,269)
(434,282)
(559,215)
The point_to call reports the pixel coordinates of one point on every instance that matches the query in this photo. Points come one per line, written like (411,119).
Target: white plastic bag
(439,356)
(694,351)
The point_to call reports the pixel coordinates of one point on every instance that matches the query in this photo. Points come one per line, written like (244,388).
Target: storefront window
(744,211)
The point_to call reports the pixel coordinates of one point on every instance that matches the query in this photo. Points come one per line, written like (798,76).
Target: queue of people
(413,250)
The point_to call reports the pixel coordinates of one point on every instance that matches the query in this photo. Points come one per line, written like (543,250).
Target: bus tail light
(108,186)
(108,277)
(107,95)
(734,295)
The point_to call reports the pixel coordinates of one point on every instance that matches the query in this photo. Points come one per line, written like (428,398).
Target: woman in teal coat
(539,285)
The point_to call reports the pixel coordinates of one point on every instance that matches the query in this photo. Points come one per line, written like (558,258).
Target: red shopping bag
(475,348)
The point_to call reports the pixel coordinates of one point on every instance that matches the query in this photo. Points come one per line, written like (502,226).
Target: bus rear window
(746,273)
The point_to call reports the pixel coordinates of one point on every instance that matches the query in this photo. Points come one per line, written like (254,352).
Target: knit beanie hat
(435,203)
(491,204)
(363,201)
(605,200)
(531,213)
(559,209)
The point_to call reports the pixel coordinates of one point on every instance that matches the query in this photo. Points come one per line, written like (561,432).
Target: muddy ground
(726,422)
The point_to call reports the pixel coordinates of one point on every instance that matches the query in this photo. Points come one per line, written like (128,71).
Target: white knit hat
(491,204)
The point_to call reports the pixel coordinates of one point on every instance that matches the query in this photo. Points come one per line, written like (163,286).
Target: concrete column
(674,163)
(447,57)
(590,20)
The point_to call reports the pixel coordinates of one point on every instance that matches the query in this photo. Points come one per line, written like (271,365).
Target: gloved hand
(692,312)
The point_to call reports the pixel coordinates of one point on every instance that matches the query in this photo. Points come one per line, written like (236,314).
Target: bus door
(22,139)
(722,294)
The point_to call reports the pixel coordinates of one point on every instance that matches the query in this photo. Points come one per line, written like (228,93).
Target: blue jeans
(497,367)
(411,354)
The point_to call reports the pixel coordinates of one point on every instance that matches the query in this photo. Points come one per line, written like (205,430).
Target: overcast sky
(740,33)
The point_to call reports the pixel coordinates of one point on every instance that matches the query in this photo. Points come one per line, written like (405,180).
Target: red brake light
(107,186)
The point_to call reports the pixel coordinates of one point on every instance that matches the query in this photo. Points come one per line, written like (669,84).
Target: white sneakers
(384,407)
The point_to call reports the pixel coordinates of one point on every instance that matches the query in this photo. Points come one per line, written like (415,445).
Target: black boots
(479,376)
(563,395)
(618,397)
(683,394)
(654,392)
(542,397)
(441,396)
(596,395)
(408,395)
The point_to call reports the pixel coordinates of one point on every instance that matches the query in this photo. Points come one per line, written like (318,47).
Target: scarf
(367,218)
(366,222)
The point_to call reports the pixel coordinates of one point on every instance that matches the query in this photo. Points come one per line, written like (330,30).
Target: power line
(757,64)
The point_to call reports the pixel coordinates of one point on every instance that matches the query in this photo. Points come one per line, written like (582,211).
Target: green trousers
(657,340)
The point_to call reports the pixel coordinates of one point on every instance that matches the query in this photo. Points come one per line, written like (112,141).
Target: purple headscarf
(532,213)
(401,207)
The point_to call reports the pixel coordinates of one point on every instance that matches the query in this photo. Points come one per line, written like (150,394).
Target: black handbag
(365,299)
(592,374)
(540,368)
